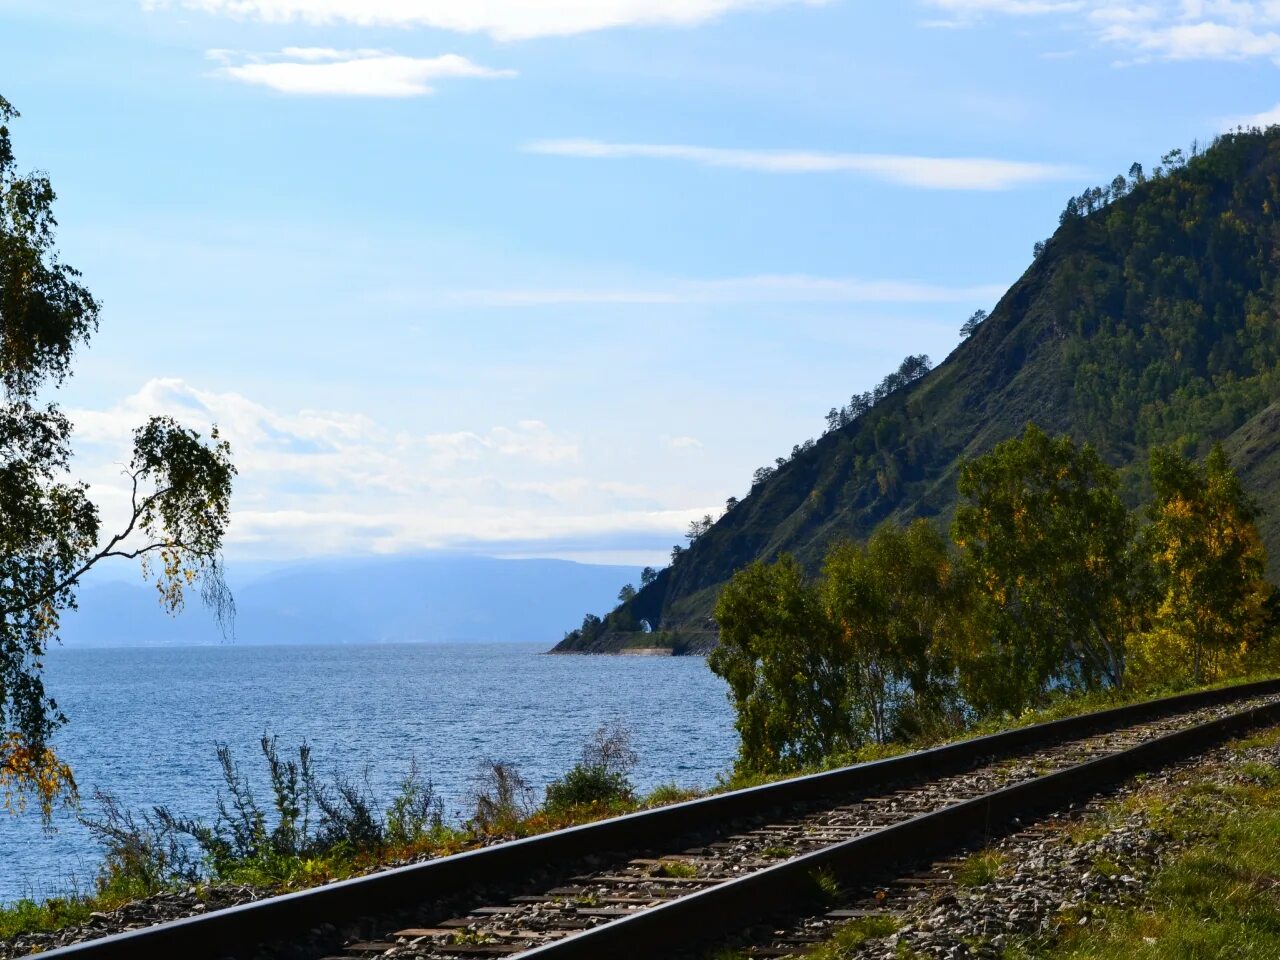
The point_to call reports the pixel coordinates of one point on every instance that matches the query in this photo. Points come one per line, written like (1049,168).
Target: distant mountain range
(431,598)
(1149,317)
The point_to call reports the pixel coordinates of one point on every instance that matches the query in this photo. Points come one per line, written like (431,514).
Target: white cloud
(314,481)
(320,54)
(1264,119)
(1156,30)
(1017,8)
(321,71)
(762,289)
(684,443)
(937,173)
(1204,40)
(502,19)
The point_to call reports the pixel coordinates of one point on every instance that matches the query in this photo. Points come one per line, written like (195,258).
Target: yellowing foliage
(1210,606)
(26,772)
(1049,586)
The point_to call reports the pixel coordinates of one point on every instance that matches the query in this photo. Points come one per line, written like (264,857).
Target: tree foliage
(893,603)
(1049,586)
(787,667)
(911,369)
(1208,563)
(970,326)
(50,531)
(1045,537)
(603,774)
(858,655)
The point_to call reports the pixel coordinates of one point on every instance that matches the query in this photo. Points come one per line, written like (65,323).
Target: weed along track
(604,897)
(652,883)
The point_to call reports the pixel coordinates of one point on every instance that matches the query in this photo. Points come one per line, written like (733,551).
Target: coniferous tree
(971,325)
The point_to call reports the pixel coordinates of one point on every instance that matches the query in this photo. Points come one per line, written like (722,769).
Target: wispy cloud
(684,443)
(1264,119)
(936,173)
(1154,30)
(502,19)
(1015,8)
(761,289)
(317,481)
(1200,40)
(322,71)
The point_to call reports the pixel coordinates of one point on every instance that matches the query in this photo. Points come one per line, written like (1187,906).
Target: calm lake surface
(144,724)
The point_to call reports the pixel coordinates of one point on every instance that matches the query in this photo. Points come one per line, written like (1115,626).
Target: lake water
(144,724)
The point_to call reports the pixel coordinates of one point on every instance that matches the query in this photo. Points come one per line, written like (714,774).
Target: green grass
(668,793)
(852,934)
(676,869)
(979,869)
(825,884)
(1106,867)
(57,913)
(1266,738)
(1218,898)
(1264,775)
(70,909)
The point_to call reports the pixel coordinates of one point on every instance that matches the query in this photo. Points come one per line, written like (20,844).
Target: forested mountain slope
(1151,316)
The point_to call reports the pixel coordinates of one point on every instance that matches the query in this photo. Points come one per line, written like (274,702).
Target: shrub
(416,812)
(584,785)
(602,777)
(242,835)
(310,832)
(144,854)
(500,798)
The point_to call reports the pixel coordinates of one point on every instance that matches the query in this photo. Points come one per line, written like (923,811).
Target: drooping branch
(110,549)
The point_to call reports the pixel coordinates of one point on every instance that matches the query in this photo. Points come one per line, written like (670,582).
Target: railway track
(635,886)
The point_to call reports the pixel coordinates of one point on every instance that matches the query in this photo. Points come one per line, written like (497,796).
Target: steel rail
(218,934)
(720,911)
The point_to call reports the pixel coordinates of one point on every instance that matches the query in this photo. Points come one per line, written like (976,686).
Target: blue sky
(552,277)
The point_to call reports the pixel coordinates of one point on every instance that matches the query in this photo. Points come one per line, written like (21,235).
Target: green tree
(894,602)
(50,531)
(787,668)
(1046,540)
(697,528)
(972,324)
(627,593)
(1213,599)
